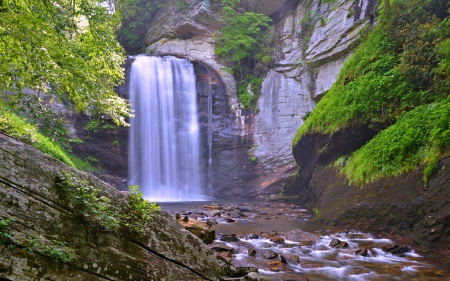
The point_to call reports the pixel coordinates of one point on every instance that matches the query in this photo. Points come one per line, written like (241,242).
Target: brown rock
(201,229)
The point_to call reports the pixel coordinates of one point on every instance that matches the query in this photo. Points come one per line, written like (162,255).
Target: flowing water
(164,148)
(255,223)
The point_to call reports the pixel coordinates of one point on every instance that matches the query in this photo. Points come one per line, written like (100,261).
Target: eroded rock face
(28,192)
(313,44)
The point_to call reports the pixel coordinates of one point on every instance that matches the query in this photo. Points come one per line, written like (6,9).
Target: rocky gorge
(251,150)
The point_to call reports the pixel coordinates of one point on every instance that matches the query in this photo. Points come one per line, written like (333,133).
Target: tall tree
(387,6)
(63,48)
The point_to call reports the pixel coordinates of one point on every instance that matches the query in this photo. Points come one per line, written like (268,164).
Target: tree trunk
(387,6)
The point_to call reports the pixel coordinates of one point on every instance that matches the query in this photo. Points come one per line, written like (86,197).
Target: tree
(387,6)
(241,36)
(65,49)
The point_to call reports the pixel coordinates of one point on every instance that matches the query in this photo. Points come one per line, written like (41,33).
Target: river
(263,231)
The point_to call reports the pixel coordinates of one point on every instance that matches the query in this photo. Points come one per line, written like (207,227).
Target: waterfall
(164,148)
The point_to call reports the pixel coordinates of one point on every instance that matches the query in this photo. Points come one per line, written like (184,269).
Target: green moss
(417,138)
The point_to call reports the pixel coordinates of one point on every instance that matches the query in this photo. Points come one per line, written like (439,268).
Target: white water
(164,147)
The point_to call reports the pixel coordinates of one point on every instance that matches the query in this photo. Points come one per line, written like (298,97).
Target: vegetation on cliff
(397,82)
(241,43)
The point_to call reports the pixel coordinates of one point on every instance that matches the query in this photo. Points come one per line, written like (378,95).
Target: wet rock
(225,254)
(267,254)
(229,238)
(362,252)
(277,239)
(201,229)
(290,259)
(252,236)
(230,220)
(275,269)
(221,247)
(211,207)
(359,271)
(234,215)
(251,252)
(273,237)
(244,210)
(395,249)
(311,265)
(177,216)
(338,244)
(298,235)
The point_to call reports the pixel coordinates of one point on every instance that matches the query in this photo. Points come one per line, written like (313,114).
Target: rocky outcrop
(312,42)
(29,194)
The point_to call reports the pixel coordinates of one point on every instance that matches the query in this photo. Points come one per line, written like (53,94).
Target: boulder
(298,235)
(229,238)
(338,244)
(290,259)
(201,229)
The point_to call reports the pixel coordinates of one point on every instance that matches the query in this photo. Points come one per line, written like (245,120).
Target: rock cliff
(313,40)
(45,224)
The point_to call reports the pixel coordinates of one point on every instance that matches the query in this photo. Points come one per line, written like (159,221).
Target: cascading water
(164,148)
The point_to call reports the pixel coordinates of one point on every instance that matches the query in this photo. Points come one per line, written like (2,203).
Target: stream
(284,243)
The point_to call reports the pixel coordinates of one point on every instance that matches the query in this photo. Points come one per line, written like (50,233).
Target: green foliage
(59,252)
(76,141)
(64,49)
(6,237)
(242,44)
(398,79)
(240,35)
(181,5)
(139,211)
(87,203)
(17,127)
(96,210)
(247,98)
(254,158)
(31,244)
(136,16)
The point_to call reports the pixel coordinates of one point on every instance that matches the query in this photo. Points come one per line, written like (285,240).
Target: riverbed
(284,243)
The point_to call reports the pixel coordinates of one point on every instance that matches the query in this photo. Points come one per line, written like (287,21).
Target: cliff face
(43,220)
(312,42)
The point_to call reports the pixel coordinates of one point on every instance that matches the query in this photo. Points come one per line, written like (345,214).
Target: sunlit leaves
(66,49)
(240,35)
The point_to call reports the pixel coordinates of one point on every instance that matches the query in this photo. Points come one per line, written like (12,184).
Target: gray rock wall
(313,43)
(28,193)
